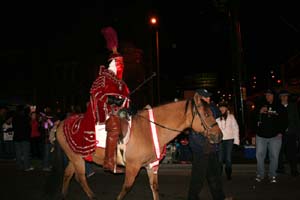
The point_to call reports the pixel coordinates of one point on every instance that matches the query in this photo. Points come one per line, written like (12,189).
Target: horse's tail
(52,134)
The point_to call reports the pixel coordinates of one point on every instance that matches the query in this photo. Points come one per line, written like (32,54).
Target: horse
(150,131)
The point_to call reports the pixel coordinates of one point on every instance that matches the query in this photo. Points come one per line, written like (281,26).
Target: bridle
(195,112)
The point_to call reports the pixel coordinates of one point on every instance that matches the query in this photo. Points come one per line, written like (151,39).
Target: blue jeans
(88,165)
(23,159)
(225,153)
(47,156)
(9,149)
(1,148)
(272,146)
(88,168)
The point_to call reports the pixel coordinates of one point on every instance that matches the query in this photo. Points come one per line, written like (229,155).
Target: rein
(194,113)
(160,125)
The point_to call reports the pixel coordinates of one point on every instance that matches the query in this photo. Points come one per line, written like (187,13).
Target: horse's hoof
(93,198)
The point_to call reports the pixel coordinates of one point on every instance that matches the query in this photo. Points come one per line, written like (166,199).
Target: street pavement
(173,184)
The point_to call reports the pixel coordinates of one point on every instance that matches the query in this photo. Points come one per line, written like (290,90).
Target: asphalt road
(173,184)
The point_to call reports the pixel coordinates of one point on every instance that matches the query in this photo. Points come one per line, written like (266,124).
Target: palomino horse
(151,130)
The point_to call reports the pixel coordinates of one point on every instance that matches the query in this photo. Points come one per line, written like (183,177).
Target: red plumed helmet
(111,38)
(116,60)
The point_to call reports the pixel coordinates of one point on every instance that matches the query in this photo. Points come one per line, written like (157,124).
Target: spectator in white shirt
(230,130)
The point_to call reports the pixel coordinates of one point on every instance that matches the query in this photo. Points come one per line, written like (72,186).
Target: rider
(114,102)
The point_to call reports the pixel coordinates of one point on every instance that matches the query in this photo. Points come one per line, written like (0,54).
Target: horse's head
(204,122)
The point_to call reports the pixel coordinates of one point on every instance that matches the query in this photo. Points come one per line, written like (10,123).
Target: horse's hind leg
(68,174)
(81,178)
(130,174)
(153,180)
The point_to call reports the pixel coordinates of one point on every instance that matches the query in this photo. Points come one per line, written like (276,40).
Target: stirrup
(118,170)
(114,170)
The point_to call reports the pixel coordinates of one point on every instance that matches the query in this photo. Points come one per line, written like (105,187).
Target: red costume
(106,91)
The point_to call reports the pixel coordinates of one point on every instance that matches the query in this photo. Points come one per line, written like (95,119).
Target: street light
(154,23)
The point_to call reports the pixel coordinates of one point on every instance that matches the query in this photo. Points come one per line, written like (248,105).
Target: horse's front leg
(153,180)
(130,175)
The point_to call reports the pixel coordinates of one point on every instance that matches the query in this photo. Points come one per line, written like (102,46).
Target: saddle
(82,139)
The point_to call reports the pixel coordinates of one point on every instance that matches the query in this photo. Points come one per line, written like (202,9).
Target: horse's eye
(206,114)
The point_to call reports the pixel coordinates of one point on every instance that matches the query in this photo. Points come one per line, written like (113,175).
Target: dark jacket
(200,144)
(21,126)
(215,110)
(273,122)
(293,119)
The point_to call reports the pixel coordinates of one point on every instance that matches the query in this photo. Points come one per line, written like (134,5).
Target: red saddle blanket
(80,134)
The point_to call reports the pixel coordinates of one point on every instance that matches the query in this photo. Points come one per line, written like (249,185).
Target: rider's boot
(113,128)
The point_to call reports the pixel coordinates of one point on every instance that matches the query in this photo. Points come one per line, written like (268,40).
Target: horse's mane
(187,105)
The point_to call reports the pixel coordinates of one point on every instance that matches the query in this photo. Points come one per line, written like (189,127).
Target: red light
(278,81)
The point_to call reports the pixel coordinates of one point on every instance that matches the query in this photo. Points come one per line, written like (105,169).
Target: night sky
(193,36)
(271,32)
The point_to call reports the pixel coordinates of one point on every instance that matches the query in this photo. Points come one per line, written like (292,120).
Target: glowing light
(153,20)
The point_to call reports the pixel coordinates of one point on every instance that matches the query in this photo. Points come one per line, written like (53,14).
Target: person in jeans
(35,137)
(47,124)
(89,171)
(230,130)
(8,134)
(291,135)
(272,122)
(21,127)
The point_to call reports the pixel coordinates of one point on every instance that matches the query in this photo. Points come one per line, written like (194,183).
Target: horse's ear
(197,98)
